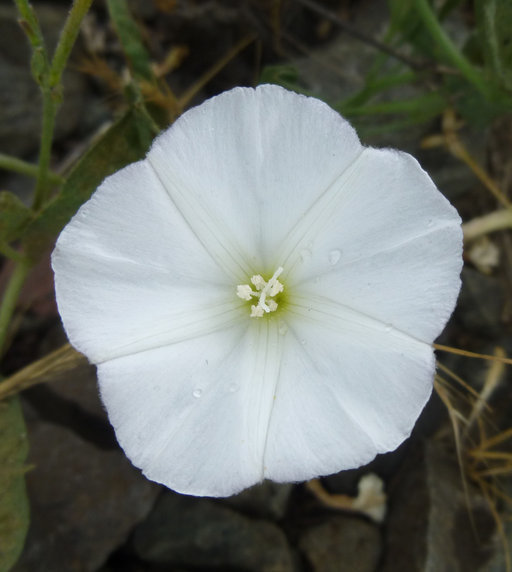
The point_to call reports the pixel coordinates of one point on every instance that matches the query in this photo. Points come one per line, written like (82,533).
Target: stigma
(263,291)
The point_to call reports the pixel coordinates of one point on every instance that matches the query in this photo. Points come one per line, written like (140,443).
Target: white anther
(256,311)
(275,288)
(265,291)
(258,282)
(244,291)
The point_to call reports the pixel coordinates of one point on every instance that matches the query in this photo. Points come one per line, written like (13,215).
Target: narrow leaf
(131,40)
(495,32)
(14,507)
(13,216)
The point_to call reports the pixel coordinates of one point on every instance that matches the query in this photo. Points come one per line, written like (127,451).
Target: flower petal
(138,278)
(194,416)
(391,247)
(249,164)
(349,388)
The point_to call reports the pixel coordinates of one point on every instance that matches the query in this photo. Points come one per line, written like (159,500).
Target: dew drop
(197,393)
(388,327)
(430,222)
(233,388)
(334,257)
(283,328)
(303,342)
(305,255)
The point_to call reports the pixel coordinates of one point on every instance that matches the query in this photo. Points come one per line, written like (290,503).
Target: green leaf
(495,32)
(14,507)
(131,40)
(285,75)
(125,142)
(13,216)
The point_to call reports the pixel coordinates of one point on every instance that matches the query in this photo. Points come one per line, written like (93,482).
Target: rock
(266,500)
(342,543)
(84,500)
(481,303)
(498,562)
(186,532)
(429,526)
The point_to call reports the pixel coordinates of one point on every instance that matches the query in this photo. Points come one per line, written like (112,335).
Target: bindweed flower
(260,294)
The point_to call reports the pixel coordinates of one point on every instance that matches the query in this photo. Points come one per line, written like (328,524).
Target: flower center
(263,291)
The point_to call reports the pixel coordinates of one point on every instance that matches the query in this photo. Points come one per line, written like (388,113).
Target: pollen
(263,292)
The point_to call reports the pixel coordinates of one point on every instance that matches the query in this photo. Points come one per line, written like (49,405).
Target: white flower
(260,294)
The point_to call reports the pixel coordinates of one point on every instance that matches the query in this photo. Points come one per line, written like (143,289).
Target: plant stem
(10,298)
(51,90)
(497,220)
(29,23)
(10,252)
(449,49)
(50,106)
(67,39)
(9,163)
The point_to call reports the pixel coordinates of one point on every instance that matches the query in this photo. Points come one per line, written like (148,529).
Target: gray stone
(429,526)
(481,303)
(266,500)
(498,562)
(84,500)
(197,532)
(342,543)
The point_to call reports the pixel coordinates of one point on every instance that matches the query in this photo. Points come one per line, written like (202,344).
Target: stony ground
(91,510)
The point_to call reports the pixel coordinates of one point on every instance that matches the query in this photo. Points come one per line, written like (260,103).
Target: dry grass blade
(46,369)
(496,439)
(452,142)
(194,89)
(492,380)
(455,418)
(458,379)
(466,353)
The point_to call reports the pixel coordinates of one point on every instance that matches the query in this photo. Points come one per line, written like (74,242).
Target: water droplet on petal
(233,388)
(334,257)
(197,393)
(430,222)
(303,342)
(388,327)
(283,328)
(305,255)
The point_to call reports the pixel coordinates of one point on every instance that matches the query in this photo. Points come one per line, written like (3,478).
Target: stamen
(244,291)
(265,291)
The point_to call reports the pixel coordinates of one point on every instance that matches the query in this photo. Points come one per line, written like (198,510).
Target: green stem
(51,89)
(10,298)
(16,165)
(67,39)
(29,23)
(10,252)
(448,47)
(50,106)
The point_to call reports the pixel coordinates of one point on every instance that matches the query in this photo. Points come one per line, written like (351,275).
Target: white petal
(250,164)
(130,274)
(389,245)
(349,388)
(194,416)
